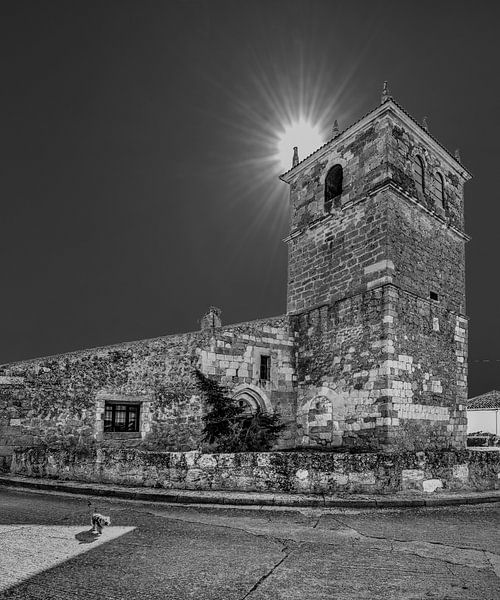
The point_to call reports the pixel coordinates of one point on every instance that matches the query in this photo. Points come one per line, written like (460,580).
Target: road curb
(247,498)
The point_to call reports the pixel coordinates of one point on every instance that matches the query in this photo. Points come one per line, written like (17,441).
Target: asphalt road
(160,551)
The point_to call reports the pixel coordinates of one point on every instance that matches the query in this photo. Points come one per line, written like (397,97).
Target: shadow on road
(86,537)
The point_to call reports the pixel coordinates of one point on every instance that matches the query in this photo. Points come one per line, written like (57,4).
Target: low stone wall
(299,472)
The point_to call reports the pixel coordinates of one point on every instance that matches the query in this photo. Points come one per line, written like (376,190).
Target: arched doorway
(252,399)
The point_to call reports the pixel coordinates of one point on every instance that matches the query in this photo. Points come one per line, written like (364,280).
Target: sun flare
(302,133)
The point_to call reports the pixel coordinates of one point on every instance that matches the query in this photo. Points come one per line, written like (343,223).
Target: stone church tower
(371,354)
(376,287)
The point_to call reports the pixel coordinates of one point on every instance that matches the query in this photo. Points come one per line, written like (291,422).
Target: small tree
(228,427)
(259,432)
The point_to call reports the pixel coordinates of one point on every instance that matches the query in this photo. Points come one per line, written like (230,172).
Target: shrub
(228,428)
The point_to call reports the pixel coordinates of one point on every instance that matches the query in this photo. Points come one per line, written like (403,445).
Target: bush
(228,428)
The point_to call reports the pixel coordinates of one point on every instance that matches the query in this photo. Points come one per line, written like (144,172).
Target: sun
(304,134)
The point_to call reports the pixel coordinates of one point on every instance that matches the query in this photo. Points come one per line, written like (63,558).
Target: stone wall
(331,254)
(426,255)
(427,368)
(317,473)
(404,143)
(58,399)
(338,257)
(377,290)
(384,369)
(341,373)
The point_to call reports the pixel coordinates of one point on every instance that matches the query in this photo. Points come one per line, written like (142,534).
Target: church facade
(371,353)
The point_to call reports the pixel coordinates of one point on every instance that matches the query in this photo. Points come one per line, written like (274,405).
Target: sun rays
(280,104)
(301,133)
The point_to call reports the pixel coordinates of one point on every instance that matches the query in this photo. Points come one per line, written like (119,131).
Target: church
(371,353)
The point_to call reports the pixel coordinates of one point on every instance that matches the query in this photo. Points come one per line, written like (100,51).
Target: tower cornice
(386,185)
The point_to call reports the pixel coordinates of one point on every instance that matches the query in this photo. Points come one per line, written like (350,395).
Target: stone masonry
(61,398)
(376,289)
(372,353)
(295,472)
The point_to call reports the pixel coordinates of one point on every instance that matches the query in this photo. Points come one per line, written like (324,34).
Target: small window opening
(333,187)
(433,296)
(121,417)
(265,368)
(418,168)
(440,192)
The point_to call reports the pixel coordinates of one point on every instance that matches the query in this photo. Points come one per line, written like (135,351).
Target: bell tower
(376,287)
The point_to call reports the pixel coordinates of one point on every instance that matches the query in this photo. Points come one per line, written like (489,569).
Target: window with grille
(121,417)
(265,368)
(418,169)
(333,187)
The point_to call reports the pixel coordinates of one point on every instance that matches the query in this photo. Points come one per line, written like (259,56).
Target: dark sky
(136,141)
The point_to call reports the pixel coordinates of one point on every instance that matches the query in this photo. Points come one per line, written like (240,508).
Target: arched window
(252,400)
(418,169)
(333,187)
(440,192)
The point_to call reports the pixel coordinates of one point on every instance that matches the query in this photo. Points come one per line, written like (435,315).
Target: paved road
(179,552)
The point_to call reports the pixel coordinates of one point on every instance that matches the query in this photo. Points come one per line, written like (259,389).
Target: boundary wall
(290,472)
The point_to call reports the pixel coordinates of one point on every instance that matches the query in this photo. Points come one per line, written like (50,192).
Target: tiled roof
(490,400)
(330,140)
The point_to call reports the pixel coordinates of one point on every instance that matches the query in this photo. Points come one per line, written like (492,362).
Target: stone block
(431,485)
(411,479)
(197,479)
(338,478)
(366,478)
(11,380)
(302,474)
(192,458)
(461,472)
(207,461)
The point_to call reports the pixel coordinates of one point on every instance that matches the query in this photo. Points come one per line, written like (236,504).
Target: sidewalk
(401,500)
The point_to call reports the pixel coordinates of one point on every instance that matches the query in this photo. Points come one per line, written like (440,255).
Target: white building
(483,413)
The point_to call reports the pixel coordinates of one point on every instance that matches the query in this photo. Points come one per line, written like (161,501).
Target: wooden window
(418,169)
(121,417)
(265,368)
(333,187)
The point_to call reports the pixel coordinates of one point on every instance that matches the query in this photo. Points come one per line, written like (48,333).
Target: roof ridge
(428,133)
(487,401)
(485,394)
(330,140)
(128,343)
(389,100)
